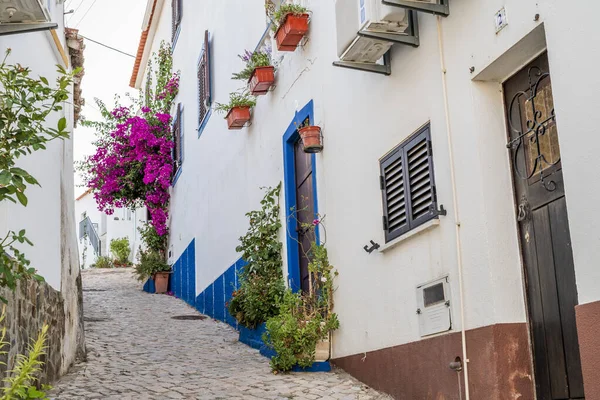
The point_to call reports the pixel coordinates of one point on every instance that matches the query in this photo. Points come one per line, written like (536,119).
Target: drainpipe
(456,215)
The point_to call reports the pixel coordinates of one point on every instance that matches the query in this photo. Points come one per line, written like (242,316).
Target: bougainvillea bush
(133,163)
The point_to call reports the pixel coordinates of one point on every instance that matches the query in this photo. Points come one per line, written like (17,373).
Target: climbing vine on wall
(261,281)
(26,104)
(133,164)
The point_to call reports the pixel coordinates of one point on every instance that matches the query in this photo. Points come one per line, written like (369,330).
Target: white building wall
(42,216)
(49,217)
(123,223)
(363,117)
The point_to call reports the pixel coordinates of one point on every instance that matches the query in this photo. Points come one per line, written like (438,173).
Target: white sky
(116,23)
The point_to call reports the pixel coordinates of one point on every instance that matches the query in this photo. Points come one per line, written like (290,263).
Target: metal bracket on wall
(12,29)
(411,38)
(441,7)
(385,68)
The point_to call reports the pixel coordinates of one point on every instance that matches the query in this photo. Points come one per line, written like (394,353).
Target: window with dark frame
(204,82)
(178,138)
(407,185)
(177,12)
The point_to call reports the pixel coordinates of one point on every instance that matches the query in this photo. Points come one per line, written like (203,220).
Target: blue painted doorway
(300,187)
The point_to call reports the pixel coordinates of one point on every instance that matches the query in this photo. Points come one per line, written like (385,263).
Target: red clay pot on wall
(291,32)
(161,282)
(261,80)
(238,117)
(311,139)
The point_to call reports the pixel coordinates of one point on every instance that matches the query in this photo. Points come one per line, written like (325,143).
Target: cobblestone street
(137,351)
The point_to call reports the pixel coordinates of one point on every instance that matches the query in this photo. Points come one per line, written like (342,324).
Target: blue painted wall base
(214,299)
(149,286)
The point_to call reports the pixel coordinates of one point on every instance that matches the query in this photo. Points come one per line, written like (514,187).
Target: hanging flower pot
(237,117)
(311,139)
(261,80)
(291,31)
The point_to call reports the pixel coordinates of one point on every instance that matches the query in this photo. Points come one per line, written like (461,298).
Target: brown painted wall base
(588,324)
(499,367)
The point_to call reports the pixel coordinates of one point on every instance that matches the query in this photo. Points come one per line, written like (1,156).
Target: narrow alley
(136,350)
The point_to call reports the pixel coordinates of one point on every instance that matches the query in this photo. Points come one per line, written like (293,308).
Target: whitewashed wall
(42,217)
(49,217)
(122,223)
(364,116)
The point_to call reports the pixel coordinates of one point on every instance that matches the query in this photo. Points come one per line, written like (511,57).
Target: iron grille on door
(407,185)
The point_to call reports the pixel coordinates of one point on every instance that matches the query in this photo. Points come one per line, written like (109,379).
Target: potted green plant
(290,22)
(312,140)
(151,265)
(259,71)
(120,251)
(237,110)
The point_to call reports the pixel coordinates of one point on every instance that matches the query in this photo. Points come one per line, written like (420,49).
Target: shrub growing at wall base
(21,382)
(307,318)
(261,281)
(104,262)
(120,251)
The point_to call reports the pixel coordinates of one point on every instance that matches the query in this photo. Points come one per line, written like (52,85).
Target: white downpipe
(456,214)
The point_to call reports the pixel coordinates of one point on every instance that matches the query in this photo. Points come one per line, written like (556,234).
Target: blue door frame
(290,137)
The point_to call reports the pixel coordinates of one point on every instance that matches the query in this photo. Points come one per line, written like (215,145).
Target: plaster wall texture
(49,217)
(364,116)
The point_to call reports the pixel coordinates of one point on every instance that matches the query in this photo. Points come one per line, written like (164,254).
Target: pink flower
(316,222)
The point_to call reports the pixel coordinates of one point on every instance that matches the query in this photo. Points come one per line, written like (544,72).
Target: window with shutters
(204,84)
(176,14)
(407,185)
(178,138)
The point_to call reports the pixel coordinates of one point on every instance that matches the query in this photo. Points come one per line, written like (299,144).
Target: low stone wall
(31,306)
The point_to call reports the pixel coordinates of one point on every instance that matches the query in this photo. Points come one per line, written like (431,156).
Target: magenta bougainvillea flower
(133,164)
(137,162)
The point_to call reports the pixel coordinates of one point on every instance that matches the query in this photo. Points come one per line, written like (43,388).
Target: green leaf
(22,232)
(43,79)
(19,171)
(62,124)
(5,177)
(22,198)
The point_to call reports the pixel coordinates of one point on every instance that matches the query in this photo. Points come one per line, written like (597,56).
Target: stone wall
(28,308)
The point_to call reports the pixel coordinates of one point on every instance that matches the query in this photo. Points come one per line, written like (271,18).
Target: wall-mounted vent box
(434,311)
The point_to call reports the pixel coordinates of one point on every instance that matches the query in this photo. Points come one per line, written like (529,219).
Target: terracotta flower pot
(291,31)
(311,139)
(261,80)
(237,117)
(161,282)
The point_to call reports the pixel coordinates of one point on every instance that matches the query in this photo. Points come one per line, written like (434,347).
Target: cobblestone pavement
(136,351)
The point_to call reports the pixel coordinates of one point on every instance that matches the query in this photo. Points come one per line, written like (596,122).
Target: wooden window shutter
(395,220)
(204,81)
(420,183)
(407,184)
(207,85)
(177,153)
(180,129)
(177,12)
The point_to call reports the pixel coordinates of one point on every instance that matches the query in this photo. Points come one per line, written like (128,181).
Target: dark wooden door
(305,210)
(544,231)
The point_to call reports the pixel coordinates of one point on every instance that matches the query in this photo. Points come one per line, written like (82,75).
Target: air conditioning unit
(354,17)
(439,7)
(23,11)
